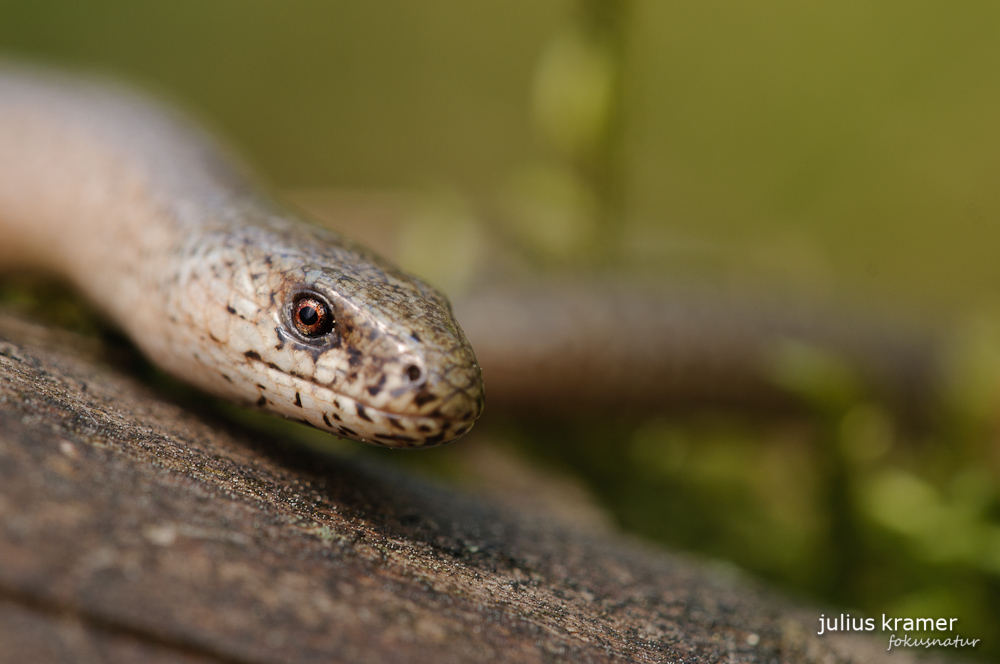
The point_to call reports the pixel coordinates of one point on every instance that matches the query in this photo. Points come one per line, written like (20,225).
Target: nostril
(414,373)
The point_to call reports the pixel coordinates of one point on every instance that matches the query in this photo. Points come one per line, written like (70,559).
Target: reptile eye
(312,317)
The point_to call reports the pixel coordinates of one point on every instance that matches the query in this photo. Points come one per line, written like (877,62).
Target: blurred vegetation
(848,149)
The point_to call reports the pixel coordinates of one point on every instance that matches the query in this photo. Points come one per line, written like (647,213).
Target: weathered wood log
(132,530)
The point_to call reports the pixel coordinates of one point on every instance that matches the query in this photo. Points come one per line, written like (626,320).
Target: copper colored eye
(311,317)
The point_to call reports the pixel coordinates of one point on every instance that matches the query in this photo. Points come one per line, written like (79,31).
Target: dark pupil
(308,315)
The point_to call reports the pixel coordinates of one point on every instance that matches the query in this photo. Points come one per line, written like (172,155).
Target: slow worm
(215,282)
(228,290)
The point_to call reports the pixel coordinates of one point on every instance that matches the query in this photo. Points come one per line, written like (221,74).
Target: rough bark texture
(134,531)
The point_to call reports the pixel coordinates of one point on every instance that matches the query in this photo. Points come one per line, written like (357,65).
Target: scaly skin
(144,214)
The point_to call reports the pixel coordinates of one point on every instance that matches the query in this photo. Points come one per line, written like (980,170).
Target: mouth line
(392,414)
(355,400)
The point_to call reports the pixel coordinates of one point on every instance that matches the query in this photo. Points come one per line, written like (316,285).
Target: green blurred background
(849,150)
